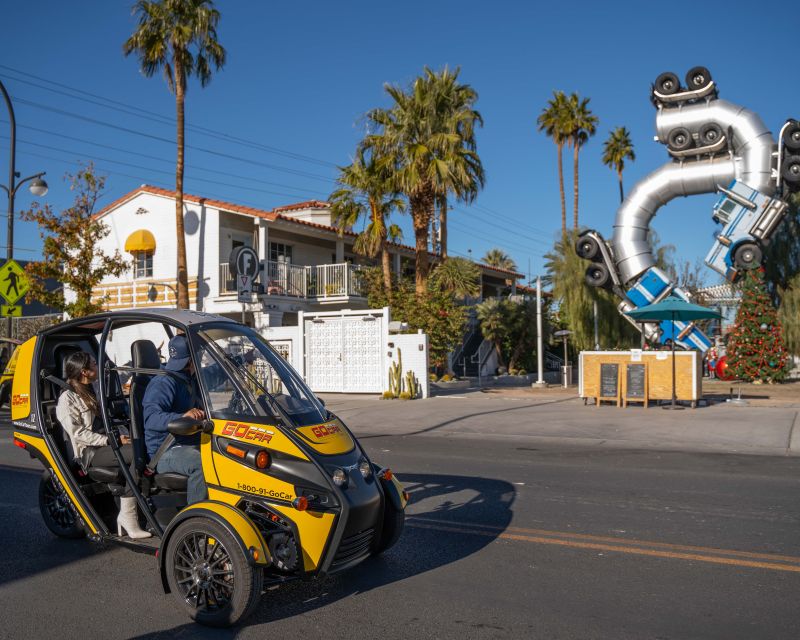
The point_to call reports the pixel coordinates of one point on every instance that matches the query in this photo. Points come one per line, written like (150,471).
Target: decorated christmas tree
(756,351)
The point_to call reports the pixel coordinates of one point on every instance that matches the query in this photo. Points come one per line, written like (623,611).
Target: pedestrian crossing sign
(13,282)
(11,311)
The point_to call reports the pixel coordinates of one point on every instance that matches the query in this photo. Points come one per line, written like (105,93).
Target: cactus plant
(396,376)
(412,385)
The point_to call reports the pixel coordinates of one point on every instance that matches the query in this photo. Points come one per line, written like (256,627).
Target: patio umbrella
(672,308)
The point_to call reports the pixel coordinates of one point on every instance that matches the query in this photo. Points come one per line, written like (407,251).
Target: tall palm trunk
(379,221)
(560,147)
(421,211)
(183,278)
(434,235)
(575,186)
(621,193)
(443,227)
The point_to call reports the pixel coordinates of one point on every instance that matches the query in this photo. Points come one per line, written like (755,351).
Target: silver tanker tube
(752,162)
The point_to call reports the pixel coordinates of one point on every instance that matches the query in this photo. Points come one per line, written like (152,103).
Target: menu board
(635,375)
(609,380)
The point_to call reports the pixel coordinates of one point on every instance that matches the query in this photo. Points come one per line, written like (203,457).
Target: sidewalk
(557,417)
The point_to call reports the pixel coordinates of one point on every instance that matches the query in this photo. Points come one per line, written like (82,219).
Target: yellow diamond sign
(13,282)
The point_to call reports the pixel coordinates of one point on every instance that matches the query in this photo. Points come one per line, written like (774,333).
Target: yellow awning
(141,240)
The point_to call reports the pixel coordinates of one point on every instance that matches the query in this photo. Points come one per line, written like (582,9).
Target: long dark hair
(74,364)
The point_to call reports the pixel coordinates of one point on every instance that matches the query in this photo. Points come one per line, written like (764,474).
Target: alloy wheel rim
(203,570)
(58,506)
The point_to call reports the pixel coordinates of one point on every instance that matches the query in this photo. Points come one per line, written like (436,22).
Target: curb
(793,447)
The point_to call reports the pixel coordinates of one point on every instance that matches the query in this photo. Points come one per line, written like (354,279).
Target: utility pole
(539,337)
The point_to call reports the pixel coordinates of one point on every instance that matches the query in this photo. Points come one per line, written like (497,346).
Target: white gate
(344,351)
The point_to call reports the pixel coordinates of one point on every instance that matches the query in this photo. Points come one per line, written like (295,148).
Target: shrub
(387,395)
(405,395)
(522,372)
(432,377)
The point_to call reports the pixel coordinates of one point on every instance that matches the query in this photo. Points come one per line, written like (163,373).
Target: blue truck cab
(748,218)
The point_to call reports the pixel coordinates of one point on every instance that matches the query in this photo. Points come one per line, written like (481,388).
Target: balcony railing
(318,282)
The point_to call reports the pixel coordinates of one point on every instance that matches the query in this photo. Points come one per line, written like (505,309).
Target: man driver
(166,398)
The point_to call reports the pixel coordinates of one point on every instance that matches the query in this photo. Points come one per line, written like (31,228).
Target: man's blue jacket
(165,399)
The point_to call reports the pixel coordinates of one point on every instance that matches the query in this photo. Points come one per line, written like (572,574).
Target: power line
(220,154)
(147,114)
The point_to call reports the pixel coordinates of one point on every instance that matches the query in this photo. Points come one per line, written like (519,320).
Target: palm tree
(459,276)
(493,317)
(427,140)
(555,122)
(582,126)
(616,150)
(498,258)
(366,192)
(178,37)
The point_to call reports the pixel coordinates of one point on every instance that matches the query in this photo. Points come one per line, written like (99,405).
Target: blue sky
(300,76)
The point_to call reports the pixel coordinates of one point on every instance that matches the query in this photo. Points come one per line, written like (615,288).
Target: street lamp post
(38,186)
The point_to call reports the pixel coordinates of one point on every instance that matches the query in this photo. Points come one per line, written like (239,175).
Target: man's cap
(178,353)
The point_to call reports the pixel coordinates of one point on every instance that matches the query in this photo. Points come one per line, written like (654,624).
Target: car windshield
(266,378)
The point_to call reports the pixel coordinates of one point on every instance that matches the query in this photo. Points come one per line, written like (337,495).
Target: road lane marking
(620,545)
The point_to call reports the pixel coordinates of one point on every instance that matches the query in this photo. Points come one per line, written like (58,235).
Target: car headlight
(339,477)
(365,468)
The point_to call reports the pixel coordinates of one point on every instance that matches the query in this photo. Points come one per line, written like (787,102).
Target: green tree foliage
(70,250)
(510,325)
(427,139)
(366,192)
(573,301)
(179,38)
(458,276)
(498,258)
(756,351)
(437,312)
(782,265)
(616,150)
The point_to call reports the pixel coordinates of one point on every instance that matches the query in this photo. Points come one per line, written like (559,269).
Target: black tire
(791,136)
(597,275)
(709,134)
(697,78)
(394,521)
(5,393)
(57,511)
(667,84)
(747,255)
(587,248)
(214,584)
(680,139)
(790,170)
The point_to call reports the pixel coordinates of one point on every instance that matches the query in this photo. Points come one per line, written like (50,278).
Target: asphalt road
(506,539)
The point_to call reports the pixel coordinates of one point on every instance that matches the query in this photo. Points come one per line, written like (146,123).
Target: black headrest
(62,353)
(145,355)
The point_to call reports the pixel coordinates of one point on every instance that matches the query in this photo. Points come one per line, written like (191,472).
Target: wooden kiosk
(640,376)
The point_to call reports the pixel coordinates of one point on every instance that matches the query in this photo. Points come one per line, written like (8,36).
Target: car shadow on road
(22,529)
(455,503)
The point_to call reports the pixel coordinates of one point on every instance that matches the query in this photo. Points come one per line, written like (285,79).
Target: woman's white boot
(127,519)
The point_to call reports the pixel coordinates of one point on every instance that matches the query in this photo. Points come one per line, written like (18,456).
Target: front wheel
(56,508)
(210,575)
(394,521)
(597,275)
(747,256)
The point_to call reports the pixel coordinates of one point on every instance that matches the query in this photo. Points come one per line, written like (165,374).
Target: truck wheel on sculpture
(716,147)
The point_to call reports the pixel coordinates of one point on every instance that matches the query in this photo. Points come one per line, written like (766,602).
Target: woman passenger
(77,412)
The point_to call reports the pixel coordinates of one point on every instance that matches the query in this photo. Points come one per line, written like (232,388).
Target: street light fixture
(38,187)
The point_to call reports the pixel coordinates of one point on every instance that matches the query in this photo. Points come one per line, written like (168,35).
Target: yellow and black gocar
(292,494)
(7,346)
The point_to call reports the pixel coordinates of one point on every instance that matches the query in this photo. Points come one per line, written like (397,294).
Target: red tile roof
(274,214)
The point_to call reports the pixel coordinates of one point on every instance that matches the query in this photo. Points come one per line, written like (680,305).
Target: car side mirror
(321,400)
(184,426)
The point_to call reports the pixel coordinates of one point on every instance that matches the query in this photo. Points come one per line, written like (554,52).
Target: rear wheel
(679,139)
(667,84)
(791,136)
(587,248)
(710,133)
(210,575)
(790,170)
(747,256)
(56,508)
(597,275)
(698,78)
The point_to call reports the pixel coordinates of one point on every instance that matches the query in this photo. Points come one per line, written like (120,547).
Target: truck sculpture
(716,146)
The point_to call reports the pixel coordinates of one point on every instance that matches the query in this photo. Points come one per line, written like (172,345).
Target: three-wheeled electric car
(291,493)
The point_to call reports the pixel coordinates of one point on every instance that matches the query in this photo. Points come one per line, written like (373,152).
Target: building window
(142,264)
(279,252)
